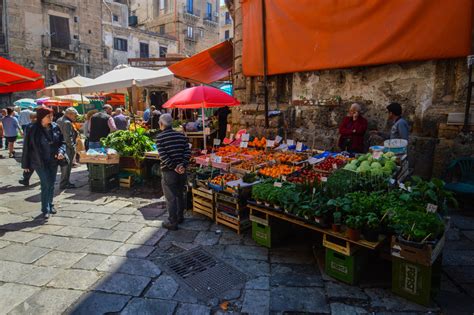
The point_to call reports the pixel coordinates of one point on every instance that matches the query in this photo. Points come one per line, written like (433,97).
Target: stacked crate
(204,202)
(232,212)
(103,177)
(267,231)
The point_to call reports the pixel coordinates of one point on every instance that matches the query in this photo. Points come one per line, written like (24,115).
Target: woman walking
(43,149)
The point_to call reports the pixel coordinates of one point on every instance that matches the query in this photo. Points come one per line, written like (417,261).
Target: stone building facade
(195,23)
(314,103)
(226,28)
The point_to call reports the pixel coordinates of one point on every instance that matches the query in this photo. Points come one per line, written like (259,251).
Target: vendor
(400,128)
(221,115)
(352,130)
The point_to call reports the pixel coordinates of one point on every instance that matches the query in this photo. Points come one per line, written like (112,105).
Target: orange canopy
(208,66)
(308,35)
(15,78)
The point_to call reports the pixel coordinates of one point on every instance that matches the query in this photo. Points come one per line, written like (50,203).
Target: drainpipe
(112,27)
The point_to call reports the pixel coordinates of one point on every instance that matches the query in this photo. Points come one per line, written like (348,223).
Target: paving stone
(256,302)
(128,210)
(4,244)
(101,224)
(123,284)
(149,306)
(134,251)
(68,214)
(59,259)
(147,236)
(231,295)
(47,229)
(260,283)
(38,276)
(75,231)
(131,266)
(454,303)
(194,309)
(119,236)
(119,204)
(11,271)
(205,238)
(101,234)
(462,244)
(75,279)
(458,257)
(338,290)
(89,262)
(74,245)
(311,300)
(195,224)
(292,256)
(462,222)
(12,294)
(102,247)
(128,226)
(344,309)
(460,274)
(122,217)
(295,275)
(68,222)
(74,207)
(94,216)
(448,285)
(384,299)
(49,241)
(185,296)
(47,301)
(246,252)
(181,236)
(163,288)
(19,237)
(251,267)
(103,209)
(99,303)
(469,235)
(229,238)
(22,253)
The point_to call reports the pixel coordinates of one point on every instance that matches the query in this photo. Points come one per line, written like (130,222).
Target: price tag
(204,152)
(228,128)
(217,142)
(217,159)
(431,208)
(314,190)
(270,143)
(244,144)
(278,139)
(299,146)
(277,184)
(334,166)
(324,179)
(231,137)
(283,178)
(190,145)
(313,160)
(207,131)
(245,137)
(290,142)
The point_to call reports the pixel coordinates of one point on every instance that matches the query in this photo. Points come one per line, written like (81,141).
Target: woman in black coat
(43,149)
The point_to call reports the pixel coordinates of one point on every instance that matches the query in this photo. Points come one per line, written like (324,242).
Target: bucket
(397,146)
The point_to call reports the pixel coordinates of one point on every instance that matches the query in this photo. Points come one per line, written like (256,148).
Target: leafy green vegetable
(129,143)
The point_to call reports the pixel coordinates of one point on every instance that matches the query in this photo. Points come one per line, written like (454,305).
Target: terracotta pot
(336,227)
(353,235)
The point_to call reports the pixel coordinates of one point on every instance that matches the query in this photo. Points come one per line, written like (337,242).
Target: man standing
(221,115)
(101,125)
(121,121)
(400,128)
(69,132)
(10,131)
(24,118)
(173,149)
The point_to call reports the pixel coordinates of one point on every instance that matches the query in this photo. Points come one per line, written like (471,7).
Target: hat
(42,112)
(395,108)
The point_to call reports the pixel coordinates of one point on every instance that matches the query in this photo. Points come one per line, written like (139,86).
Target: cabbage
(376,172)
(354,162)
(390,164)
(376,165)
(389,155)
(365,163)
(363,168)
(350,167)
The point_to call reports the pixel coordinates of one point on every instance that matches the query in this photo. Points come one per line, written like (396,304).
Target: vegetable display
(367,163)
(278,170)
(129,143)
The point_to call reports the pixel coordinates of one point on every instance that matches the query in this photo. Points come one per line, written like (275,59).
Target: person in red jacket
(352,130)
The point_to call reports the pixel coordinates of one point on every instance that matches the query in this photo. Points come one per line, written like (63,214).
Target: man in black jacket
(174,151)
(101,125)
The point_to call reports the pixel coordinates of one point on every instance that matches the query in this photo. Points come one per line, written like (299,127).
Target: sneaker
(11,154)
(24,182)
(170,226)
(53,210)
(46,216)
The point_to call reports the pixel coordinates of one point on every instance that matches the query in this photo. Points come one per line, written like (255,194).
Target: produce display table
(285,217)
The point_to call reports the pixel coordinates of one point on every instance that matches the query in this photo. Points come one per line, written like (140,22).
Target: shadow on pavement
(18,226)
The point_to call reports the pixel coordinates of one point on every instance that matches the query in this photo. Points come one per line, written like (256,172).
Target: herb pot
(353,235)
(276,206)
(336,227)
(258,202)
(267,204)
(371,235)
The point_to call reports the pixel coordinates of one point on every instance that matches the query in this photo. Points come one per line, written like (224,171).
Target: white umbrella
(76,98)
(71,86)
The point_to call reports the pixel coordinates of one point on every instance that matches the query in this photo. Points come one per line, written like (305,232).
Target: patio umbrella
(58,103)
(15,78)
(227,88)
(74,98)
(201,97)
(41,100)
(25,103)
(71,86)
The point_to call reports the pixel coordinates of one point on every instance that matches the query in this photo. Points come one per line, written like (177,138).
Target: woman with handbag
(43,150)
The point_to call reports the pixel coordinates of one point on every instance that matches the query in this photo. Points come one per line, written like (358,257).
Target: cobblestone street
(96,255)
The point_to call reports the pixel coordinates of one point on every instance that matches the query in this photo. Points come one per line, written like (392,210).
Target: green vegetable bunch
(129,143)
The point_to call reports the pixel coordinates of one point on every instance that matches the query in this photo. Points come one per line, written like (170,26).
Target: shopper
(221,115)
(147,113)
(100,126)
(86,127)
(69,132)
(154,121)
(25,179)
(399,129)
(43,149)
(2,112)
(174,152)
(121,121)
(24,118)
(352,130)
(11,127)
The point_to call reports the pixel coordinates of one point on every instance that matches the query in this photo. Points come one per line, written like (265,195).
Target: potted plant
(354,224)
(336,224)
(372,227)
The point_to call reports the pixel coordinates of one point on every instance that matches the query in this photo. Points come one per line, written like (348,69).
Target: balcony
(191,13)
(212,19)
(65,51)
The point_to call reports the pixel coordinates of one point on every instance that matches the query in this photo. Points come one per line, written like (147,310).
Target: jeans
(94,145)
(47,176)
(66,170)
(173,188)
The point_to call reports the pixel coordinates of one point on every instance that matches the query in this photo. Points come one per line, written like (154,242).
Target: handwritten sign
(204,152)
(270,143)
(299,146)
(283,178)
(245,137)
(431,208)
(313,160)
(334,166)
(324,179)
(244,144)
(290,142)
(217,142)
(277,184)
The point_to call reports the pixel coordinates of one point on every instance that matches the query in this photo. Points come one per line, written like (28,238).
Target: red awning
(15,78)
(208,66)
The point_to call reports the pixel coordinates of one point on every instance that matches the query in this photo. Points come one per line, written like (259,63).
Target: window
(115,18)
(190,6)
(227,34)
(163,51)
(120,44)
(227,18)
(209,11)
(163,6)
(201,33)
(59,30)
(190,32)
(162,29)
(144,50)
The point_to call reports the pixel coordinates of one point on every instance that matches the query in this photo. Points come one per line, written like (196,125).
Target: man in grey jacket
(69,132)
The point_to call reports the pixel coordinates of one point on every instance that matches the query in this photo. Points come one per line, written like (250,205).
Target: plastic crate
(347,269)
(104,185)
(416,282)
(262,234)
(102,171)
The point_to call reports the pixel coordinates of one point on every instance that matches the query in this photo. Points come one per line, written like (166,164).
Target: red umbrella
(201,97)
(15,78)
(57,103)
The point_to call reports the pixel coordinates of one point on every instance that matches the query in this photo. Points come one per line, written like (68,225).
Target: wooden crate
(339,245)
(126,182)
(231,212)
(204,202)
(236,223)
(98,159)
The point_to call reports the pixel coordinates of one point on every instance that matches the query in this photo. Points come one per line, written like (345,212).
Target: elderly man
(352,130)
(10,130)
(121,121)
(69,132)
(174,152)
(100,126)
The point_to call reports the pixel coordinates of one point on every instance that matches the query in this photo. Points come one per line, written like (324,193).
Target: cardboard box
(424,255)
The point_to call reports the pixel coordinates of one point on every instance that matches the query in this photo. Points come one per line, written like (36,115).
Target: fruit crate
(104,185)
(347,269)
(424,254)
(416,282)
(231,212)
(102,171)
(339,245)
(238,223)
(204,202)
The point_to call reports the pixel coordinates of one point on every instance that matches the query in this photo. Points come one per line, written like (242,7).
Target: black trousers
(173,185)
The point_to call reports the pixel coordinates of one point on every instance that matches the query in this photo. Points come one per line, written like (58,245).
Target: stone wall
(314,103)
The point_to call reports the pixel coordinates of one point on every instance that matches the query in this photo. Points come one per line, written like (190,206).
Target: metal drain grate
(205,274)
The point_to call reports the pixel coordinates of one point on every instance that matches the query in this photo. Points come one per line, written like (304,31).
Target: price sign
(207,131)
(217,159)
(228,128)
(290,142)
(313,160)
(278,139)
(431,208)
(334,166)
(324,179)
(277,184)
(270,143)
(299,146)
(217,142)
(245,137)
(283,178)
(244,144)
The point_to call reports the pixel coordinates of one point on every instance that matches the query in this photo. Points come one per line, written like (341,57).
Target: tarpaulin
(208,66)
(308,35)
(15,78)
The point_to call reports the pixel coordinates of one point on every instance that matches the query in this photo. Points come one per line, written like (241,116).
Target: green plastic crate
(415,282)
(103,171)
(262,234)
(104,185)
(345,268)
